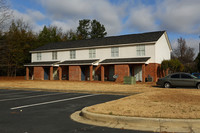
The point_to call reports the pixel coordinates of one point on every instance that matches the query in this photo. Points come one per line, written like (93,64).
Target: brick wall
(121,71)
(75,73)
(153,69)
(38,73)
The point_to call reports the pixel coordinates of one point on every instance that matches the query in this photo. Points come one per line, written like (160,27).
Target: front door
(111,73)
(46,73)
(138,73)
(83,70)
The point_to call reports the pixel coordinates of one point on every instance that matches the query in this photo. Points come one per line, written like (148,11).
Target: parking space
(42,112)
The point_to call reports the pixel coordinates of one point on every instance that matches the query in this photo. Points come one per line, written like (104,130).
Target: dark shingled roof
(125,60)
(78,62)
(46,63)
(112,40)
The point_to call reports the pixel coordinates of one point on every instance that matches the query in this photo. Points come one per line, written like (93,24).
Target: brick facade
(153,70)
(38,73)
(75,73)
(121,71)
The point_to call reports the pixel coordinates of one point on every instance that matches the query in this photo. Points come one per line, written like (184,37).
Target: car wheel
(167,85)
(198,86)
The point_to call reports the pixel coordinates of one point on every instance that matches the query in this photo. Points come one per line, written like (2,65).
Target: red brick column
(102,73)
(143,72)
(155,72)
(91,70)
(27,73)
(60,73)
(121,71)
(51,73)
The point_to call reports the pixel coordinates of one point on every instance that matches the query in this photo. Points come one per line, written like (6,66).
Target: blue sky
(180,18)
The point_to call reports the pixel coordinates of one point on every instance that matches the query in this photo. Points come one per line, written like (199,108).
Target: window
(185,76)
(115,52)
(92,53)
(39,56)
(54,55)
(72,54)
(175,76)
(140,50)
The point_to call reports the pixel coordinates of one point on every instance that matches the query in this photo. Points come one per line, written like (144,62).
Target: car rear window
(175,76)
(185,76)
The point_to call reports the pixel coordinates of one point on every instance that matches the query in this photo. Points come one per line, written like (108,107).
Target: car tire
(198,86)
(167,85)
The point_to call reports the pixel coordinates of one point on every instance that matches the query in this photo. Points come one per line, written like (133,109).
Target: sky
(179,18)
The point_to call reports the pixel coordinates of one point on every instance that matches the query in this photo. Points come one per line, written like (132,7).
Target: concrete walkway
(138,123)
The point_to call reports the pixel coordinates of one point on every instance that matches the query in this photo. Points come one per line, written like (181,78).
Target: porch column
(60,73)
(143,72)
(51,73)
(91,70)
(27,73)
(102,73)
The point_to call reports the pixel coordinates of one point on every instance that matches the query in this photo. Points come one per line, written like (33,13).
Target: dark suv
(179,80)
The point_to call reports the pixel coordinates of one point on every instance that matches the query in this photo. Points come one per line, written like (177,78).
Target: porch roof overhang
(78,62)
(46,63)
(125,61)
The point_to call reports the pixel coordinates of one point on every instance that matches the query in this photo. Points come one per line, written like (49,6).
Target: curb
(71,91)
(145,124)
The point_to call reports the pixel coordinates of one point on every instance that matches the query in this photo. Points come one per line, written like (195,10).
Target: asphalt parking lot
(48,112)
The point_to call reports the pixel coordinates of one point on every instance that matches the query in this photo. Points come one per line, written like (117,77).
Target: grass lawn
(151,102)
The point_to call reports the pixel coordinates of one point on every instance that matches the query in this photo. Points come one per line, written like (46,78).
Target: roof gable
(107,41)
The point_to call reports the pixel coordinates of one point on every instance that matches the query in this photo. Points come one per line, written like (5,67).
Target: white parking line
(10,99)
(56,101)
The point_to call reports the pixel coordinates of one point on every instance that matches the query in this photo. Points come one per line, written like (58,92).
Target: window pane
(115,52)
(72,54)
(140,49)
(175,76)
(185,76)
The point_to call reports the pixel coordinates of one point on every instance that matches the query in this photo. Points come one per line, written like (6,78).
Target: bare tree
(183,53)
(5,13)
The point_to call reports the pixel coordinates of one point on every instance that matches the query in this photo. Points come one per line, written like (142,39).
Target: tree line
(19,39)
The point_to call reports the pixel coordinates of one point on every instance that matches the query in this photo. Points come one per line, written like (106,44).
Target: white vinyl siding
(140,50)
(72,54)
(115,52)
(54,55)
(39,56)
(92,53)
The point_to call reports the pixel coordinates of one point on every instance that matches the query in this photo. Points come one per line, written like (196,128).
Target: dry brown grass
(154,102)
(170,103)
(78,85)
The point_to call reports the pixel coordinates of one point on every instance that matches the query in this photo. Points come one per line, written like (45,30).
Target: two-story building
(138,55)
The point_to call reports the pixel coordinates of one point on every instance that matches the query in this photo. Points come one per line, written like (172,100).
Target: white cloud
(65,26)
(141,18)
(36,15)
(102,10)
(179,16)
(30,17)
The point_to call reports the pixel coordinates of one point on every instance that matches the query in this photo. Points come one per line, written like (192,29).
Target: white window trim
(140,50)
(92,53)
(72,54)
(54,55)
(39,56)
(115,52)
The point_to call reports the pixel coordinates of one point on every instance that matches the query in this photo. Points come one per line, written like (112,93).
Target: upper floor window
(92,53)
(39,56)
(115,52)
(140,50)
(73,54)
(54,55)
